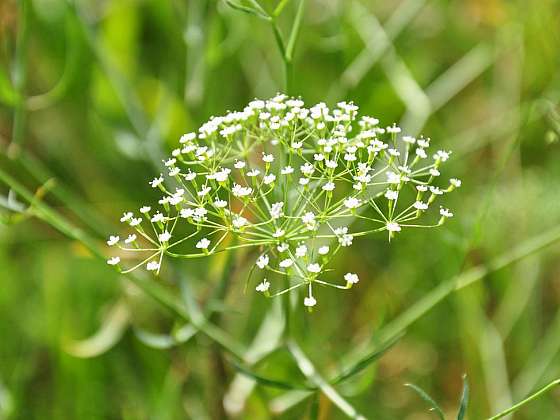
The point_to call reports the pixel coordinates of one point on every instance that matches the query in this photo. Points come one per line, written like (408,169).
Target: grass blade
(262,380)
(308,369)
(249,10)
(366,361)
(295,31)
(424,395)
(530,398)
(464,399)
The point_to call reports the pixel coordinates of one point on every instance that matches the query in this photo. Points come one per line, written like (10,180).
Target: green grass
(93,95)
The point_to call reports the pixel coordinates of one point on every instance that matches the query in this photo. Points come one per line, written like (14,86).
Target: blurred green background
(94,94)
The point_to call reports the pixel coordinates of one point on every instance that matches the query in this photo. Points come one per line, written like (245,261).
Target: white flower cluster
(289,181)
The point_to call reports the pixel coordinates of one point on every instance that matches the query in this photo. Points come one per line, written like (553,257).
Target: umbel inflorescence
(297,184)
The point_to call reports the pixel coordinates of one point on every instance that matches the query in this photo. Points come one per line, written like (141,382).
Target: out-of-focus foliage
(94,93)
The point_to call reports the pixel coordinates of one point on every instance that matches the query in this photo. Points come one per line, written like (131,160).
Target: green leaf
(111,331)
(165,341)
(424,395)
(310,372)
(249,10)
(8,95)
(367,360)
(464,399)
(262,380)
(527,400)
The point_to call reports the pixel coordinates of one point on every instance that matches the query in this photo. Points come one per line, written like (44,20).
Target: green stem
(20,79)
(530,398)
(151,288)
(525,249)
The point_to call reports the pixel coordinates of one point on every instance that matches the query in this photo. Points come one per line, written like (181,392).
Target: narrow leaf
(262,380)
(165,341)
(367,360)
(106,337)
(424,395)
(295,31)
(464,399)
(530,398)
(248,10)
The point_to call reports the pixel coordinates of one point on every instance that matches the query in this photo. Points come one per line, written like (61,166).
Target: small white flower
(445,212)
(308,220)
(263,286)
(253,172)
(164,236)
(352,203)
(314,268)
(239,221)
(276,210)
(287,170)
(220,203)
(145,209)
(303,181)
(239,164)
(324,250)
(351,278)
(279,233)
(269,179)
(156,182)
(127,216)
(307,169)
(113,240)
(309,301)
(186,213)
(152,266)
(393,129)
(135,221)
(393,178)
(393,227)
(158,218)
(204,243)
(441,155)
(240,191)
(318,157)
(409,139)
(267,158)
(174,172)
(288,262)
(435,190)
(329,186)
(331,164)
(190,176)
(204,191)
(421,153)
(283,247)
(434,172)
(455,182)
(262,261)
(419,205)
(345,240)
(186,138)
(422,188)
(131,238)
(391,194)
(301,251)
(113,260)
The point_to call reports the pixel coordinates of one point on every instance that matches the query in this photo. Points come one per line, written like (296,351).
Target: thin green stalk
(530,398)
(310,372)
(20,79)
(525,249)
(151,288)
